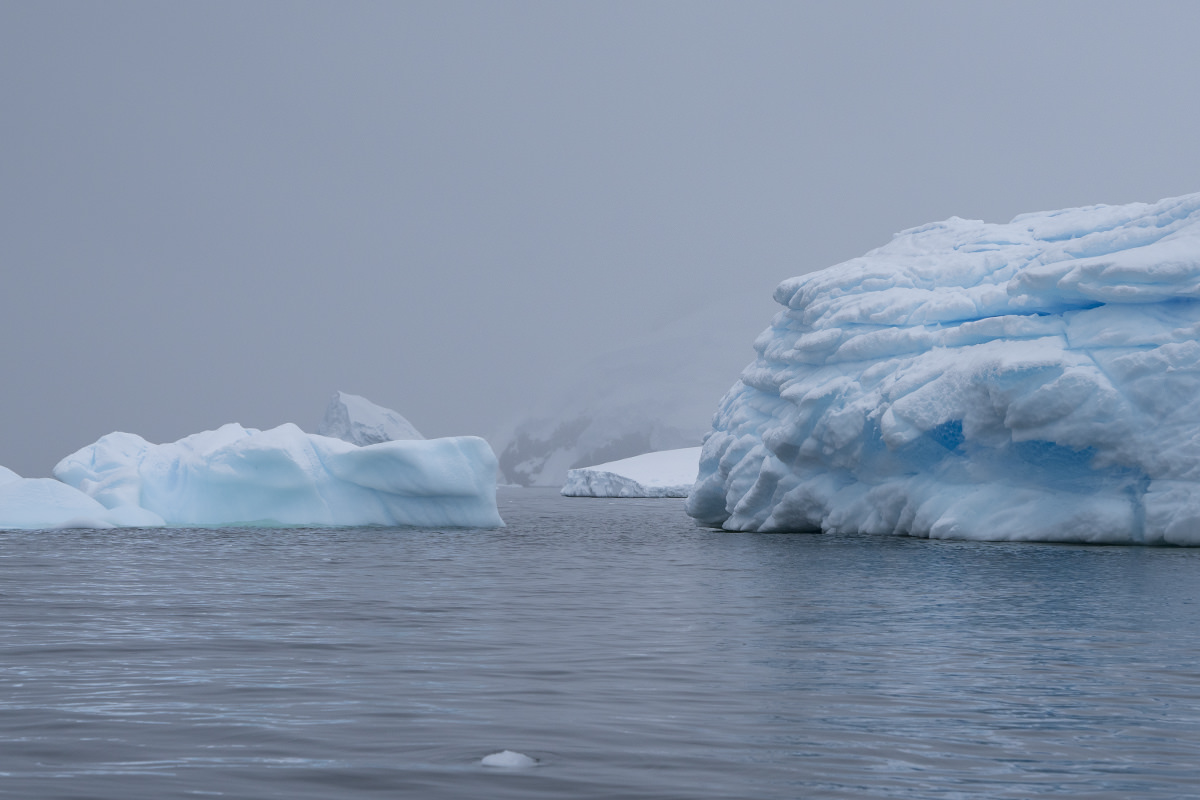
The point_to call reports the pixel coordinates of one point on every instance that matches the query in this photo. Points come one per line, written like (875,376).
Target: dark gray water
(633,654)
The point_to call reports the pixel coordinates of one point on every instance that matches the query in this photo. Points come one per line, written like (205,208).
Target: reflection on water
(632,653)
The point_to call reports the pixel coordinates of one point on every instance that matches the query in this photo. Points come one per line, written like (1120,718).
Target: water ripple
(630,653)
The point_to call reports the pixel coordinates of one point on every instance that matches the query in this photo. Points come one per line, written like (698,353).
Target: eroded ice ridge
(669,473)
(1036,380)
(357,420)
(284,476)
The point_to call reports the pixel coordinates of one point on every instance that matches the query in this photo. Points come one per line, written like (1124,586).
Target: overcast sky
(215,212)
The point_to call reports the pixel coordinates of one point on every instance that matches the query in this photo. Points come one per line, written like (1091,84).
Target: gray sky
(215,212)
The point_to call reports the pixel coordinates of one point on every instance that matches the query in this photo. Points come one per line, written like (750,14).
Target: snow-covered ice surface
(284,476)
(357,420)
(669,473)
(1035,380)
(35,503)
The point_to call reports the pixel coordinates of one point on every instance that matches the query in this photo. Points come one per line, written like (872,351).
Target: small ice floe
(509,759)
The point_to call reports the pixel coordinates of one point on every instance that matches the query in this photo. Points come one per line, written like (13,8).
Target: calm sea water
(633,654)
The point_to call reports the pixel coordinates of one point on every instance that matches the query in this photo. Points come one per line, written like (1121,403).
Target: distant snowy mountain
(357,420)
(656,395)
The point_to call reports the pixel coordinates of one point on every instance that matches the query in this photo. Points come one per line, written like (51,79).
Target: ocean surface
(631,653)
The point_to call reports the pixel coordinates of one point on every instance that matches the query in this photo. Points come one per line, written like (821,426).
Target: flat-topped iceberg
(284,476)
(667,473)
(1038,380)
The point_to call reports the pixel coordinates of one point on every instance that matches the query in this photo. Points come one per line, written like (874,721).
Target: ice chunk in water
(508,758)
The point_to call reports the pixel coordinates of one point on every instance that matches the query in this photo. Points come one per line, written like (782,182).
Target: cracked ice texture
(1036,380)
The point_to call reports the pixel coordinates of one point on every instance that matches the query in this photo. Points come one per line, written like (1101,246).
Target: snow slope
(668,473)
(1034,380)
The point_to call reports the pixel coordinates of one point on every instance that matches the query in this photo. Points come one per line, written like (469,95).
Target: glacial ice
(286,477)
(39,503)
(667,473)
(357,420)
(1036,380)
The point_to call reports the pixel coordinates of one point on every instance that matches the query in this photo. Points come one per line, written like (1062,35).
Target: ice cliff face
(357,420)
(1037,380)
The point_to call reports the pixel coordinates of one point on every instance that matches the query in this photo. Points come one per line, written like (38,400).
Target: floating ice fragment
(509,759)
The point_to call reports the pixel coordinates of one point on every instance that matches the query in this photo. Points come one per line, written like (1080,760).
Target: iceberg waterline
(1036,380)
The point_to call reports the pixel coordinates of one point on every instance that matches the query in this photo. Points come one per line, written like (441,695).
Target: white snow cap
(508,758)
(1037,380)
(668,473)
(357,420)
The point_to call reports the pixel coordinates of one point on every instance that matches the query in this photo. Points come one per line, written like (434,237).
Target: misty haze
(658,400)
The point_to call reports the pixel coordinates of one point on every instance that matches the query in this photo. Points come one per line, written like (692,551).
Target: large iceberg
(357,420)
(1038,380)
(286,477)
(667,473)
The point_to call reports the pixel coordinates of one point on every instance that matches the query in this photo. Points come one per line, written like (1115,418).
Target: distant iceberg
(286,477)
(357,420)
(668,473)
(1036,380)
